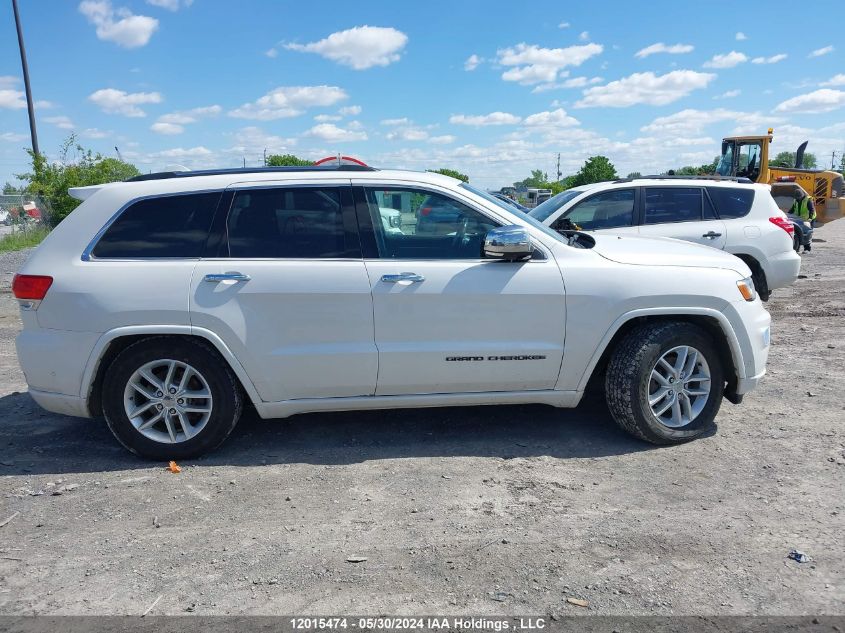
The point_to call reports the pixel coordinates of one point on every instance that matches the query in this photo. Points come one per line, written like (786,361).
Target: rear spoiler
(83,193)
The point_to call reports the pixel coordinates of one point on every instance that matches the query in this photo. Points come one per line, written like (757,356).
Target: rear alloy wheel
(665,382)
(170,399)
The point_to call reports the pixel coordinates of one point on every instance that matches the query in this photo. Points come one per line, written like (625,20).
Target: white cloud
(168,129)
(408,134)
(645,88)
(12,99)
(12,137)
(334,134)
(741,36)
(120,26)
(692,122)
(360,48)
(584,36)
(271,53)
(660,47)
(93,132)
(444,139)
(494,118)
(61,122)
(564,25)
(289,101)
(323,118)
(251,138)
(113,101)
(554,118)
(190,116)
(171,5)
(726,60)
(774,59)
(821,51)
(179,152)
(729,94)
(836,80)
(822,100)
(402,121)
(8,80)
(353,110)
(472,62)
(531,64)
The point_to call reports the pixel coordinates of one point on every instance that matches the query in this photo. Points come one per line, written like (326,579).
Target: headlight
(746,289)
(395,220)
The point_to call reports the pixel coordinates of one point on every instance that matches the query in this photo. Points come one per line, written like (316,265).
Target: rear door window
(731,202)
(291,222)
(672,204)
(166,226)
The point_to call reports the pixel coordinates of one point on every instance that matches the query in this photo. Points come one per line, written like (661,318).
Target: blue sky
(491,88)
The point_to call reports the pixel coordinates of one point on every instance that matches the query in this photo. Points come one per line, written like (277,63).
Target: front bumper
(61,403)
(752,326)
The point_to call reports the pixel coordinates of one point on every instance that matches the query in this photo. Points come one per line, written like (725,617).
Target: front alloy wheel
(679,386)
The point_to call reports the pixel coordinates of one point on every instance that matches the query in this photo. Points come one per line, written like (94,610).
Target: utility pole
(29,104)
(265,156)
(558,167)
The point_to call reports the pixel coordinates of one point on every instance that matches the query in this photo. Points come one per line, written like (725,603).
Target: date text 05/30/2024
(427,623)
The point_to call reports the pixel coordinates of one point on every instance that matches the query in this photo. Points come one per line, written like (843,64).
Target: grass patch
(23,239)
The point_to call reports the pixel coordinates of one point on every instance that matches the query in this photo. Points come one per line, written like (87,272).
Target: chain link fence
(21,213)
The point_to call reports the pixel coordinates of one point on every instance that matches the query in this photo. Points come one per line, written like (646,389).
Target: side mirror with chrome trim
(511,243)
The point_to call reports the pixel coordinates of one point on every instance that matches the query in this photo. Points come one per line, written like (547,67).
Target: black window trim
(701,218)
(635,214)
(87,254)
(366,230)
(220,225)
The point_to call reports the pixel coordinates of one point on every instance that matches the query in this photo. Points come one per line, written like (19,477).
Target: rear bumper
(782,269)
(61,403)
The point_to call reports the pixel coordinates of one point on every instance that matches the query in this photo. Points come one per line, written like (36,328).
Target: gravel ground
(10,263)
(479,510)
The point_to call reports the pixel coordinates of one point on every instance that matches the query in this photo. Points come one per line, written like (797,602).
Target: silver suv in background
(733,215)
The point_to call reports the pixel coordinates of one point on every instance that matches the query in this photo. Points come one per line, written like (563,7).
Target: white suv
(164,303)
(733,215)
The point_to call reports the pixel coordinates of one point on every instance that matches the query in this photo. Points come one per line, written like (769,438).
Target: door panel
(302,326)
(468,326)
(708,233)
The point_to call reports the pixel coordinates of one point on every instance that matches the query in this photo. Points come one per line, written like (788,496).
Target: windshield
(510,209)
(726,161)
(544,210)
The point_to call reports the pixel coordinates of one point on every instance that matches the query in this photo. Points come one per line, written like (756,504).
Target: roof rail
(164,175)
(739,179)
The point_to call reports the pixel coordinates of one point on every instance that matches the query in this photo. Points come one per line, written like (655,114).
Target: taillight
(31,287)
(783,223)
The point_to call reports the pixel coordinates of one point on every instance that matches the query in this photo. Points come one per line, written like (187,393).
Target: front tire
(664,382)
(166,398)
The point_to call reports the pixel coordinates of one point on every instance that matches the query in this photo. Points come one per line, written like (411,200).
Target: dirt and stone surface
(448,511)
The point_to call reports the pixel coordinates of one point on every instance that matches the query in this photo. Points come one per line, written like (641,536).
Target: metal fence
(22,212)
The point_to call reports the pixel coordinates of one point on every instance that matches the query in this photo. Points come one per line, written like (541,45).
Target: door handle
(226,277)
(392,279)
(712,235)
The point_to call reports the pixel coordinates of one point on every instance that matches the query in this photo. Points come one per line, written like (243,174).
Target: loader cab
(745,157)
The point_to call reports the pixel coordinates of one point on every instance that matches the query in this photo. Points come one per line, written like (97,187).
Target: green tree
(595,169)
(787,159)
(287,160)
(9,189)
(450,172)
(51,180)
(538,180)
(634,174)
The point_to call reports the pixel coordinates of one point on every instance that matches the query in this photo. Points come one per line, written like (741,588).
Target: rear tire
(205,407)
(630,384)
(796,243)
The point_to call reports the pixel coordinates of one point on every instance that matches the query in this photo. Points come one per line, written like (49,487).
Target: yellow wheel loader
(748,157)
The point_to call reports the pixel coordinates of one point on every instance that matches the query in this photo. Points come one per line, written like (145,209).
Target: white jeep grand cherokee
(163,303)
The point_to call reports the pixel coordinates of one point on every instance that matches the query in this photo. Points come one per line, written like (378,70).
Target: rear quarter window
(731,202)
(167,226)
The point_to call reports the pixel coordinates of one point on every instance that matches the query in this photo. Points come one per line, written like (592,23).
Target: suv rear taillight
(31,287)
(783,223)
